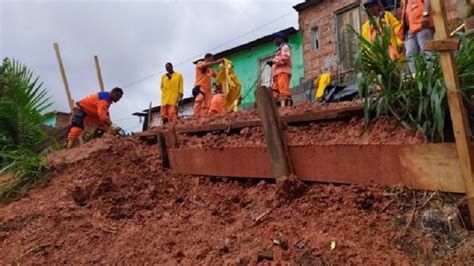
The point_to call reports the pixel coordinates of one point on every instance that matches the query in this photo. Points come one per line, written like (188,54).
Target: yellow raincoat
(230,84)
(390,20)
(320,85)
(171,89)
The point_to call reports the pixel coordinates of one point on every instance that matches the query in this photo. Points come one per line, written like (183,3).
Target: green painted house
(249,60)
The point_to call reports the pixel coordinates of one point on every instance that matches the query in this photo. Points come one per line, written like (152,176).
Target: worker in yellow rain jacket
(320,84)
(172,84)
(227,90)
(383,18)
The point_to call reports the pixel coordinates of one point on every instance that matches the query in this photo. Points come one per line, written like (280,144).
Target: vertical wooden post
(99,73)
(456,105)
(280,157)
(149,116)
(163,151)
(63,75)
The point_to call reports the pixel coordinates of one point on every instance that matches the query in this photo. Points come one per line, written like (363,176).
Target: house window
(265,78)
(315,39)
(347,44)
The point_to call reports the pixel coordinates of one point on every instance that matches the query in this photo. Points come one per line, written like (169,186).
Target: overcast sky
(134,39)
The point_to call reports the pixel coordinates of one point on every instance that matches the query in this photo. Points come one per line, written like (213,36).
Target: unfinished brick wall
(322,15)
(62,119)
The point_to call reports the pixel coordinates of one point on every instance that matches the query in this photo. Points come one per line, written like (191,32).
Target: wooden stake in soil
(149,117)
(99,73)
(456,105)
(63,75)
(163,151)
(279,153)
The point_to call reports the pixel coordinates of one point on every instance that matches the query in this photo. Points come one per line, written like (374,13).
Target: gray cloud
(132,38)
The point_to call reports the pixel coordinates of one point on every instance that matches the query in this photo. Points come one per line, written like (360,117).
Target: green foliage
(465,64)
(23,105)
(418,102)
(25,166)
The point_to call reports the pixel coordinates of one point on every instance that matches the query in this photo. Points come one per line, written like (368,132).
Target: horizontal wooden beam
(426,166)
(295,118)
(448,45)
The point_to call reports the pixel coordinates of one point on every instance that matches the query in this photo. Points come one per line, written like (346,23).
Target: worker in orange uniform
(383,19)
(171,93)
(281,70)
(202,86)
(217,102)
(92,110)
(417,29)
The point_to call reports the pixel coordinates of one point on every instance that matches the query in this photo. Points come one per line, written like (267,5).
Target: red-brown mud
(245,115)
(110,201)
(382,131)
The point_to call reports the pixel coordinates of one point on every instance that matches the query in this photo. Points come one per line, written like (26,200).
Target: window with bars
(314,38)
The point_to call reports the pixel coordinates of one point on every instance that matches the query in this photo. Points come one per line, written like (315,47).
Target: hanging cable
(219,46)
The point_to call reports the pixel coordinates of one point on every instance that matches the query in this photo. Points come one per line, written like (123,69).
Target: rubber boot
(87,136)
(285,102)
(69,143)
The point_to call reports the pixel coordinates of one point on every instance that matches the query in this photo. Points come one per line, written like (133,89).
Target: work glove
(270,62)
(115,129)
(98,132)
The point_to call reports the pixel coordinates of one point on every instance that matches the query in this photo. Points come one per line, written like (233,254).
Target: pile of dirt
(110,201)
(245,115)
(382,131)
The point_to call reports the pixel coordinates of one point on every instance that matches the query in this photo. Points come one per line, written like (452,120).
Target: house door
(347,44)
(266,76)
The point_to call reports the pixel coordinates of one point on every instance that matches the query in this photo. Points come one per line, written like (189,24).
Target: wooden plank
(163,151)
(56,137)
(99,73)
(331,114)
(456,106)
(229,162)
(219,127)
(63,76)
(449,45)
(148,126)
(274,136)
(171,138)
(432,167)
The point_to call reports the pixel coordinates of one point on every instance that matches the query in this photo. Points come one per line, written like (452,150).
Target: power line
(209,50)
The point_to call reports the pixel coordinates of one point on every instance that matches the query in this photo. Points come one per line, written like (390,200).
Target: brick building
(328,45)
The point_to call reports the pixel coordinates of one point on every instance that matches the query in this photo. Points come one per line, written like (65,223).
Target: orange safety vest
(97,104)
(282,60)
(412,11)
(204,77)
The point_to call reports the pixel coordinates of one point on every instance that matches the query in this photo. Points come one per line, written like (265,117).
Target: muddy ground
(353,131)
(110,201)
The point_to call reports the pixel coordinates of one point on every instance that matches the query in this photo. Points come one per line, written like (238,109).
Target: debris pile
(110,201)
